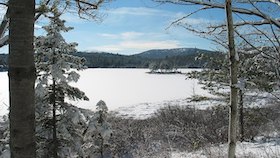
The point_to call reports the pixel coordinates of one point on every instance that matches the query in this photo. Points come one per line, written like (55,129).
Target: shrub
(175,128)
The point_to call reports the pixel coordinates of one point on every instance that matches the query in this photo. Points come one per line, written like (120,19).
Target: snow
(145,110)
(244,149)
(131,87)
(260,99)
(134,93)
(4,93)
(125,88)
(137,94)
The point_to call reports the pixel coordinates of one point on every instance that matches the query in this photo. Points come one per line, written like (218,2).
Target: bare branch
(4,4)
(260,31)
(275,36)
(4,41)
(207,36)
(221,6)
(91,5)
(254,47)
(3,28)
(41,12)
(87,7)
(4,25)
(261,1)
(243,23)
(184,17)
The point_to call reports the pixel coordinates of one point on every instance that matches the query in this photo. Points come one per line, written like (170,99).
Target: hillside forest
(243,78)
(177,58)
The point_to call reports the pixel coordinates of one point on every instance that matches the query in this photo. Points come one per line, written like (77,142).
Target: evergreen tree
(56,68)
(98,133)
(4,137)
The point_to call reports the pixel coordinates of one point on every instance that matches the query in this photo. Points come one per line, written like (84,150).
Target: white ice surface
(124,88)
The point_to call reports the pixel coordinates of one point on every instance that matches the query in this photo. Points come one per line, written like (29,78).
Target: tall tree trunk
(241,115)
(233,83)
(22,78)
(53,102)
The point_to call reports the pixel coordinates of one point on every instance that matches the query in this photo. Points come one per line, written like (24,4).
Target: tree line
(108,60)
(262,36)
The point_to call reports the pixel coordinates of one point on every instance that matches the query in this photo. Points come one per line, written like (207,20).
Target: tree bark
(241,115)
(233,82)
(22,78)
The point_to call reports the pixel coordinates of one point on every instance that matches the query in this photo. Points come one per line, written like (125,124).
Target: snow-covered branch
(3,28)
(243,23)
(4,41)
(260,1)
(216,5)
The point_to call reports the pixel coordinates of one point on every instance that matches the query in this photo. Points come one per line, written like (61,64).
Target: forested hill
(165,53)
(181,58)
(109,60)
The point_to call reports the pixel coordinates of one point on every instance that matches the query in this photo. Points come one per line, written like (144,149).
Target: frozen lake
(123,88)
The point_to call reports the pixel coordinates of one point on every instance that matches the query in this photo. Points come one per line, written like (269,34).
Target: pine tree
(56,68)
(98,133)
(4,137)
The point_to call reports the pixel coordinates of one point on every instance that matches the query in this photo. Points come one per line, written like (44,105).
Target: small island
(163,67)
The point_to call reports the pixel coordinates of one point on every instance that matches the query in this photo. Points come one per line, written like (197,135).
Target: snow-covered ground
(4,93)
(124,88)
(145,110)
(129,87)
(134,93)
(243,150)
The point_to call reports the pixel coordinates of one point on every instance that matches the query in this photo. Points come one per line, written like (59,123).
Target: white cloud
(131,35)
(133,46)
(140,11)
(150,44)
(123,35)
(115,15)
(106,48)
(134,29)
(108,35)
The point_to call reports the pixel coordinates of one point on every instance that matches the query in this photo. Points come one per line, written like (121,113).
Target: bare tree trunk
(22,78)
(241,116)
(233,83)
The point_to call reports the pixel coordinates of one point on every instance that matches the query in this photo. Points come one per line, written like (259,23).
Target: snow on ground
(4,93)
(128,89)
(121,88)
(134,93)
(260,149)
(145,110)
(261,99)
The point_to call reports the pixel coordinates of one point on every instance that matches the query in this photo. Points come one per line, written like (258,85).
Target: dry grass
(185,129)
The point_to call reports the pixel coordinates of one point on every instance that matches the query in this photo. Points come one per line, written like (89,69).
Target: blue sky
(134,26)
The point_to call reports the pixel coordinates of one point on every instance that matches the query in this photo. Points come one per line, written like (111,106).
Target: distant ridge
(179,57)
(163,53)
